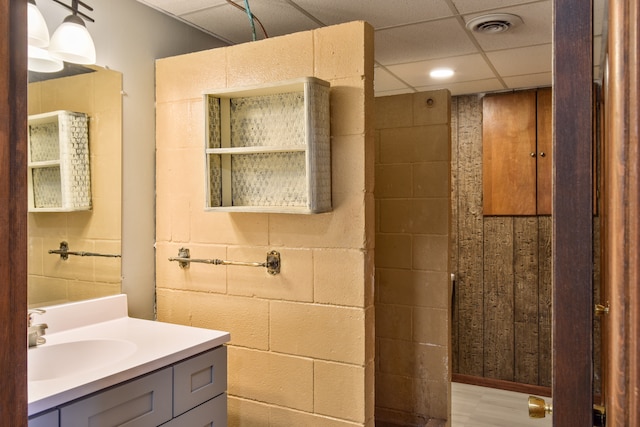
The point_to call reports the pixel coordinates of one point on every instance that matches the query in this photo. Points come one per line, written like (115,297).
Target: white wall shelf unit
(59,177)
(268,148)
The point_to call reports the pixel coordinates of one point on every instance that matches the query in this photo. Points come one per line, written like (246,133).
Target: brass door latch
(538,408)
(601,310)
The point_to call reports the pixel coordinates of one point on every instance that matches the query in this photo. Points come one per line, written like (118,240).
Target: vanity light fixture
(441,73)
(41,61)
(38,32)
(72,42)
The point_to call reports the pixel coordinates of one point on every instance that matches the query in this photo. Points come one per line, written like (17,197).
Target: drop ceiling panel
(535,28)
(464,88)
(526,60)
(379,13)
(417,42)
(466,68)
(277,16)
(528,80)
(385,81)
(181,7)
(468,6)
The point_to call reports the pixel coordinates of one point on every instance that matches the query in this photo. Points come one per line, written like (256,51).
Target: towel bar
(272,263)
(64,252)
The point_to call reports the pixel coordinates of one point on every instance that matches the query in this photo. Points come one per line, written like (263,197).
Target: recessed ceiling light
(441,73)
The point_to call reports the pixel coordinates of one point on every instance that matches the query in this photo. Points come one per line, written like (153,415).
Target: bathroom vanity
(100,367)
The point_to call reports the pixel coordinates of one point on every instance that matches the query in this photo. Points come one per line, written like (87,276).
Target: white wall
(129,37)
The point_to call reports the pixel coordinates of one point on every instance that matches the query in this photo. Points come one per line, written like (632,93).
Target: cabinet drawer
(50,419)
(144,402)
(199,379)
(210,414)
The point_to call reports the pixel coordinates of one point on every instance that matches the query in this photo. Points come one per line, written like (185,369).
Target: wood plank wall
(501,325)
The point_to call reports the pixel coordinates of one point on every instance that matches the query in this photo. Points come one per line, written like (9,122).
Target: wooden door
(572,214)
(621,219)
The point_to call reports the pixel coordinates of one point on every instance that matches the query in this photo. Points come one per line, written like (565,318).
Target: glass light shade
(40,60)
(38,32)
(72,42)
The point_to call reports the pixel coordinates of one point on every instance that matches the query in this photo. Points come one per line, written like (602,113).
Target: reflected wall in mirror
(53,280)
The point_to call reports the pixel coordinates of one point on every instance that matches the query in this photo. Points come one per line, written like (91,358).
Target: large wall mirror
(52,280)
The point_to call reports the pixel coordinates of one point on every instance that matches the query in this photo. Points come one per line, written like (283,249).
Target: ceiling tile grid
(467,68)
(418,42)
(411,37)
(380,14)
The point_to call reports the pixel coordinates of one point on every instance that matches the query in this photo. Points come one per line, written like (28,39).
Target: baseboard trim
(502,384)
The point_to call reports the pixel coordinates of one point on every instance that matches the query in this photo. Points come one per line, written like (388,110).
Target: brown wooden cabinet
(516,150)
(545,141)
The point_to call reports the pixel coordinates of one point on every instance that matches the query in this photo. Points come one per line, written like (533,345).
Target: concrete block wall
(302,342)
(413,363)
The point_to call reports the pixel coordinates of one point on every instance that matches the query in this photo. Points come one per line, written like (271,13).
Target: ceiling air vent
(494,23)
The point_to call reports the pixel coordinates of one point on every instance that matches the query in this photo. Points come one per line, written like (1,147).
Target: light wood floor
(474,406)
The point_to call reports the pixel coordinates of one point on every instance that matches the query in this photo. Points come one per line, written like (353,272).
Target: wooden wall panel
(525,265)
(490,257)
(544,300)
(503,272)
(469,271)
(498,298)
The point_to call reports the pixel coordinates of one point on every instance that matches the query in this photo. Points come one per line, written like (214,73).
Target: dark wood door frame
(13,212)
(621,219)
(572,214)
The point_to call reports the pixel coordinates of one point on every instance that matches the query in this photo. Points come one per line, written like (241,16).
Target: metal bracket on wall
(272,263)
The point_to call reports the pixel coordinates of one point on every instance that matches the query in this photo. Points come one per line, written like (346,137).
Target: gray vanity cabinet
(199,379)
(211,413)
(191,392)
(143,402)
(48,419)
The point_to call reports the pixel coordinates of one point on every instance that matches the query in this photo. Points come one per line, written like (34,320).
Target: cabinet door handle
(542,154)
(532,154)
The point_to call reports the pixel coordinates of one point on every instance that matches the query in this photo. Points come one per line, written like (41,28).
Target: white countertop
(149,346)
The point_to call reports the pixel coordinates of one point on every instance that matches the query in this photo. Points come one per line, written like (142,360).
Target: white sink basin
(54,361)
(94,344)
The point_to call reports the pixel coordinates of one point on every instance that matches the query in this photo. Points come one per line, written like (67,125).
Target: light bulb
(38,32)
(72,42)
(40,60)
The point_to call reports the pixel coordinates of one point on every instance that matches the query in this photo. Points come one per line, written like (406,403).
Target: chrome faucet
(35,332)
